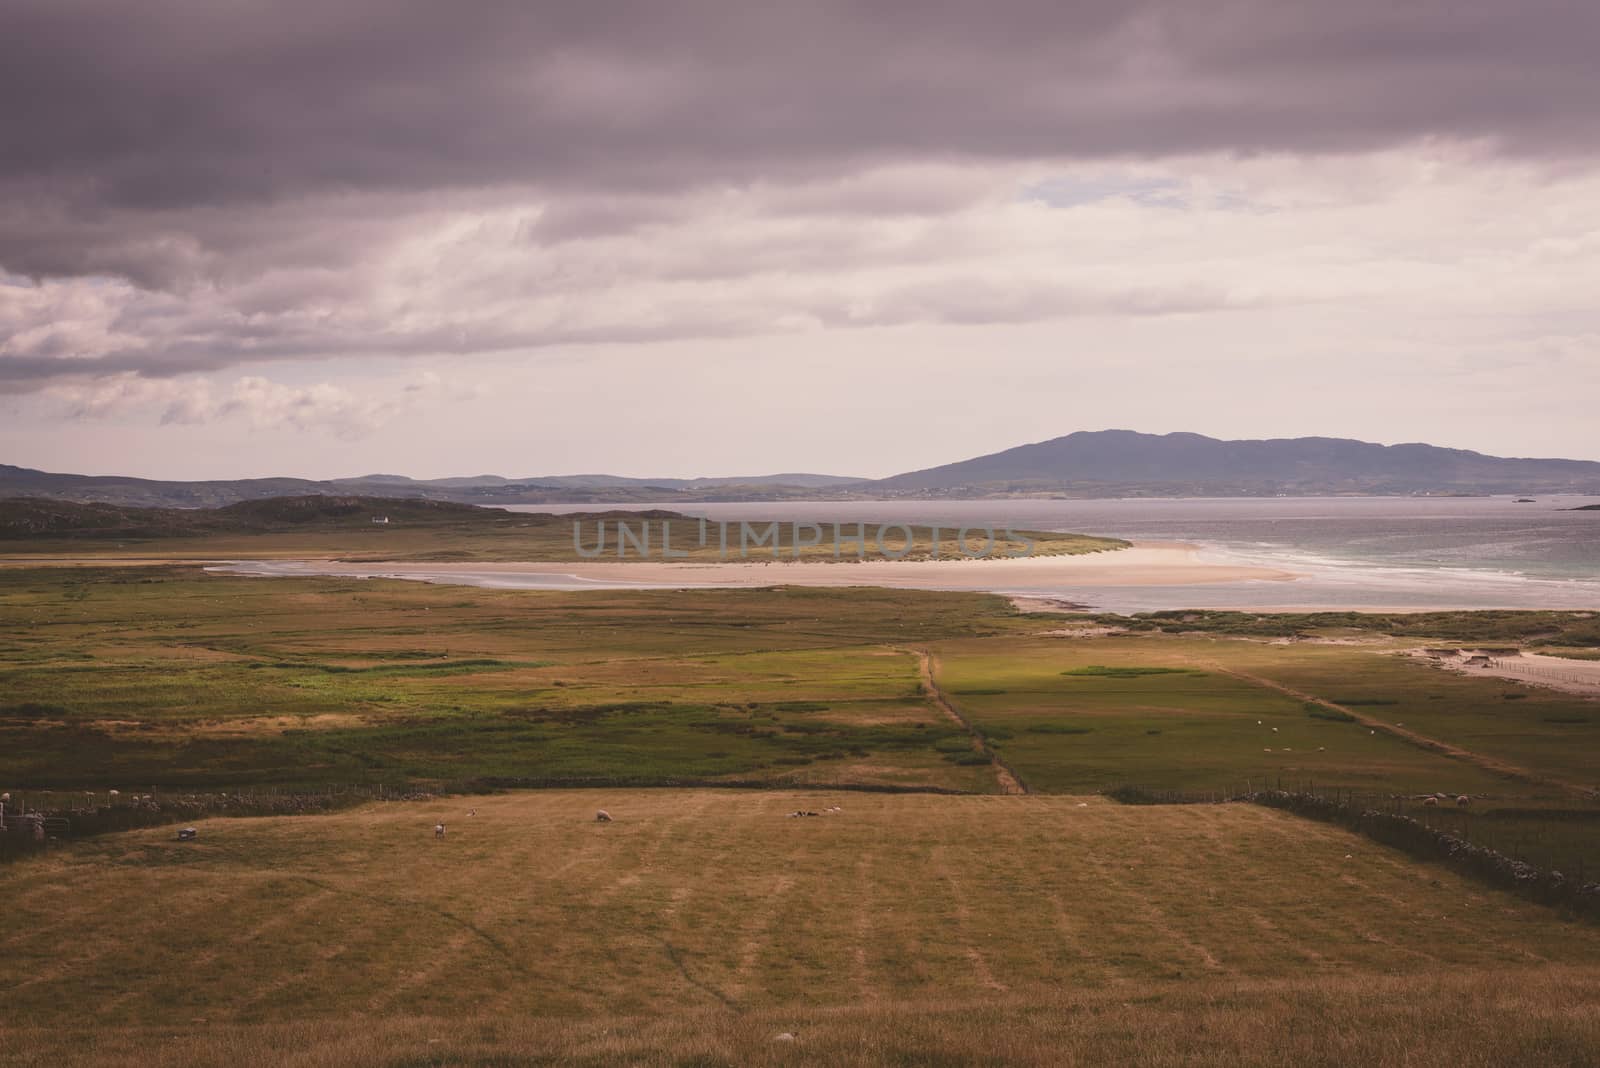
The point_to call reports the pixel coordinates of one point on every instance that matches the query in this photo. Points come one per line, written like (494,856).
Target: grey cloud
(169,104)
(276,150)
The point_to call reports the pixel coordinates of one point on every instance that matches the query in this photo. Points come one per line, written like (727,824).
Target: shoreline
(1142,564)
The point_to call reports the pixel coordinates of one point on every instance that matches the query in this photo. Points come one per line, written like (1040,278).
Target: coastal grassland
(1536,629)
(1186,713)
(1547,731)
(181,678)
(294,528)
(1077,716)
(700,924)
(172,676)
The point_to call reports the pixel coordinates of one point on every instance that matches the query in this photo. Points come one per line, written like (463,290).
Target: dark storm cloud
(168,104)
(211,142)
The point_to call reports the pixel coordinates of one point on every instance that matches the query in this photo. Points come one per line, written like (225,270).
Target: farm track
(1010,782)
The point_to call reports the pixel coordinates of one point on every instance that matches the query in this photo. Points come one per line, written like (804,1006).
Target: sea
(1400,553)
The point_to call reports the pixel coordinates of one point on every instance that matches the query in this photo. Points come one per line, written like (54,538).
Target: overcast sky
(333,238)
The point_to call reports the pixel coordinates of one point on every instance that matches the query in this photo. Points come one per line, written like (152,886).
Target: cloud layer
(199,200)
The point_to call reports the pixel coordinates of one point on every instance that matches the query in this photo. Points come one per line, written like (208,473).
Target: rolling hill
(1123,462)
(1105,463)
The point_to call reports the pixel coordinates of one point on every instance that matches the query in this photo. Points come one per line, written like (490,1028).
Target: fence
(34,820)
(1540,671)
(1545,853)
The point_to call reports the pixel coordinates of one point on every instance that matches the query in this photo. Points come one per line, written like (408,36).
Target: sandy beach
(1534,669)
(1145,564)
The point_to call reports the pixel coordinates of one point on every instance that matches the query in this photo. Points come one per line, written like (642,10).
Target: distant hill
(34,517)
(1123,462)
(793,480)
(478,489)
(1104,463)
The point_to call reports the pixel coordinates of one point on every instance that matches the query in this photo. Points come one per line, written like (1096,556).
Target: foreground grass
(699,924)
(1476,1020)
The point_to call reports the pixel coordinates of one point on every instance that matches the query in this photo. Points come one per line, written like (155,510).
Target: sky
(241,238)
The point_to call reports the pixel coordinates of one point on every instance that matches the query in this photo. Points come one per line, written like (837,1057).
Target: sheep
(438,830)
(1274,730)
(1463,801)
(1430,801)
(602,816)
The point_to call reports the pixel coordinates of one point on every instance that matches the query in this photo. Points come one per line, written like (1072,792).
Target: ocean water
(1353,552)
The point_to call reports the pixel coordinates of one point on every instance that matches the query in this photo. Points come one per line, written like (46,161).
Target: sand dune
(1145,564)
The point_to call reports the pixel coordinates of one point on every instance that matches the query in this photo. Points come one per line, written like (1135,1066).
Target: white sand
(1550,672)
(1145,564)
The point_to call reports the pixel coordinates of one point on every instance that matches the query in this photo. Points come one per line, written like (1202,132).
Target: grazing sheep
(1266,750)
(1430,801)
(438,830)
(1322,749)
(1463,801)
(602,816)
(1274,730)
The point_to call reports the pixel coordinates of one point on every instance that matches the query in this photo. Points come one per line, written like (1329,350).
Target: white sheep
(438,830)
(602,816)
(1463,801)
(1430,801)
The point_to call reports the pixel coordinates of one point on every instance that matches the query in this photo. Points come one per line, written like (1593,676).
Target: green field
(434,531)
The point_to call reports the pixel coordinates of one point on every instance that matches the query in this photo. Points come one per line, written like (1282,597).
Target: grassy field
(344,528)
(170,676)
(700,924)
(966,927)
(177,678)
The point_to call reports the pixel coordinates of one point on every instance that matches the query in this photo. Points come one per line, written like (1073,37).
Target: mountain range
(1106,463)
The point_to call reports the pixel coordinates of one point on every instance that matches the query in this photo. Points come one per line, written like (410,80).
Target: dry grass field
(700,924)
